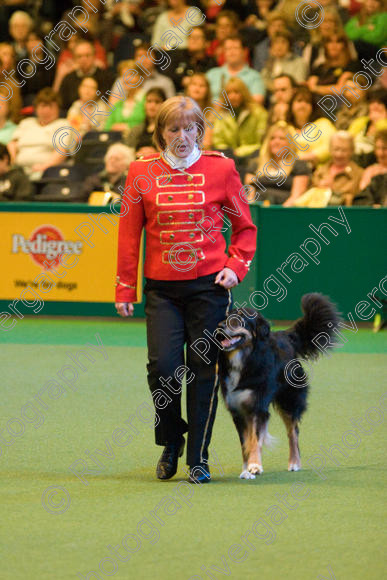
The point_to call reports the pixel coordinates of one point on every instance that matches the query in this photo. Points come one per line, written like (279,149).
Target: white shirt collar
(182,163)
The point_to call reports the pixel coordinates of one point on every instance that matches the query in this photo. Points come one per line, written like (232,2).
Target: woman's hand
(227,278)
(124,309)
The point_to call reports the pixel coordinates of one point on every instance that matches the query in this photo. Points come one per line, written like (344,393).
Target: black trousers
(177,313)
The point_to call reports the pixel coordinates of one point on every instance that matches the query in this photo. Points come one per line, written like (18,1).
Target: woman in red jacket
(179,196)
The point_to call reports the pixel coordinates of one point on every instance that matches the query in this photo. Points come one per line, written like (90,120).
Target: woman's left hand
(227,278)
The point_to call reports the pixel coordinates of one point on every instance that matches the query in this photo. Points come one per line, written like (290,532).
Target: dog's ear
(262,328)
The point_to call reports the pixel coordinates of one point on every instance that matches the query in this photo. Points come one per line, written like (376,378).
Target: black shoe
(167,465)
(200,473)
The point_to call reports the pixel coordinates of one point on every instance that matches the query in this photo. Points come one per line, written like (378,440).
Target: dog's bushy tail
(320,316)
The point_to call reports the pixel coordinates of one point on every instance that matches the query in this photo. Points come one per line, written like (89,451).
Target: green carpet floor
(68,510)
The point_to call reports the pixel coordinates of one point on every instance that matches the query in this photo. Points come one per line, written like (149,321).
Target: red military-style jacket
(182,213)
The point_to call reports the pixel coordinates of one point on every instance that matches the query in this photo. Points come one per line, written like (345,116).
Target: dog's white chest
(234,399)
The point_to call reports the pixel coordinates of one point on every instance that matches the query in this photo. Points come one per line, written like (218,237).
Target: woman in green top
(239,133)
(130,111)
(368,29)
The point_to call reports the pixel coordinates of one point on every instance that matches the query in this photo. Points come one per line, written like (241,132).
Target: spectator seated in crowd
(153,78)
(340,176)
(112,178)
(227,25)
(7,65)
(239,133)
(32,145)
(141,135)
(338,67)
(330,25)
(373,184)
(40,76)
(283,90)
(276,23)
(20,25)
(66,62)
(198,88)
(8,116)
(282,61)
(257,20)
(80,120)
(86,66)
(14,184)
(176,13)
(285,177)
(358,106)
(364,128)
(302,110)
(235,65)
(129,112)
(194,59)
(150,77)
(368,29)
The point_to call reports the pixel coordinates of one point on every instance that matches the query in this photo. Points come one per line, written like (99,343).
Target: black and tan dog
(258,368)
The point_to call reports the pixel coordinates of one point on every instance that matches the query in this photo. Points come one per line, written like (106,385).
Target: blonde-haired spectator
(341,175)
(279,176)
(239,132)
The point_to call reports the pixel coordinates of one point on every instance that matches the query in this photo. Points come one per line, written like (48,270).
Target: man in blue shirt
(235,65)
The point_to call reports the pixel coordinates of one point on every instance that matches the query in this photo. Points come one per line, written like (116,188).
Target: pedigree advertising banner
(63,256)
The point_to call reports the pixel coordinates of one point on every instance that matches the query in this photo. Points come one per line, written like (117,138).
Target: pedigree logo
(45,246)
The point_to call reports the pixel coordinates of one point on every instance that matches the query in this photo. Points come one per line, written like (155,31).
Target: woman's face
(197,88)
(88,90)
(302,107)
(341,151)
(277,141)
(381,152)
(47,112)
(180,136)
(152,105)
(335,48)
(235,98)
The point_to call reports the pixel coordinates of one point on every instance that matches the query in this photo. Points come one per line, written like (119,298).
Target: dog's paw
(255,468)
(246,475)
(294,466)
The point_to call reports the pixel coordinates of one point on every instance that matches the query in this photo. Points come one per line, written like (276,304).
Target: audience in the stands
(229,53)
